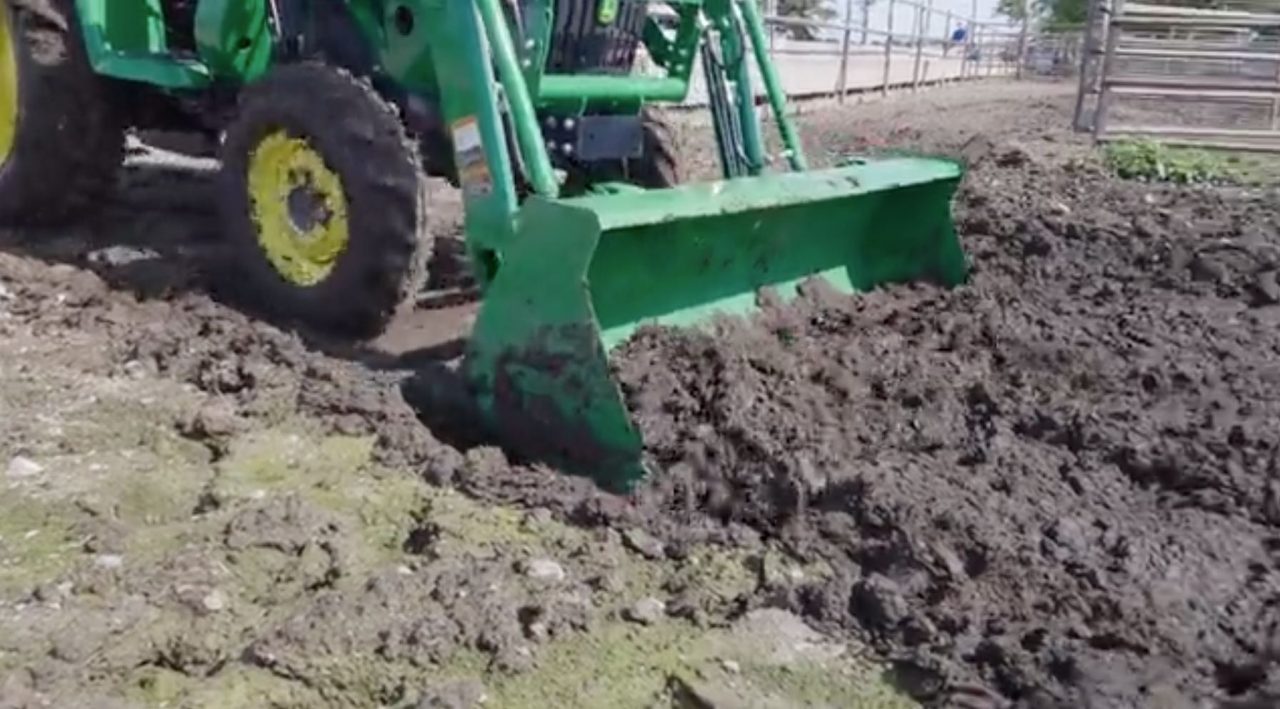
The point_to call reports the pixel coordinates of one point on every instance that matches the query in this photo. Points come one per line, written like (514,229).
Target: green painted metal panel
(127,41)
(234,38)
(408,51)
(588,87)
(583,274)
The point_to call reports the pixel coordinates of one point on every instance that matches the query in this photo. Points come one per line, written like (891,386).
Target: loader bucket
(582,274)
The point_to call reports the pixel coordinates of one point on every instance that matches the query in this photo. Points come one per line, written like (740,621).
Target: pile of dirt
(1063,477)
(1061,480)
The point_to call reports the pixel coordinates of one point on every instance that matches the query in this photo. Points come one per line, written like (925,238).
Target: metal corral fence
(1213,76)
(903,44)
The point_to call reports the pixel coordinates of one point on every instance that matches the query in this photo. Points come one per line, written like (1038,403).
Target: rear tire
(61,139)
(324,199)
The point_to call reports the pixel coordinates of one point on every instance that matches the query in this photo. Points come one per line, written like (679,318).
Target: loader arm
(566,279)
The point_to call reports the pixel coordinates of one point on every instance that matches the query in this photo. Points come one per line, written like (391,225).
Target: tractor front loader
(330,113)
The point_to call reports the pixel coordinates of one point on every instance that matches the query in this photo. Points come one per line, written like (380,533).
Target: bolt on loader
(329,114)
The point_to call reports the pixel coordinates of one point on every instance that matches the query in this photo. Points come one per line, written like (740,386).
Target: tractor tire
(61,138)
(324,199)
(657,168)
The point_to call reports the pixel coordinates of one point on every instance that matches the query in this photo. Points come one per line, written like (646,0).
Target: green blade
(583,274)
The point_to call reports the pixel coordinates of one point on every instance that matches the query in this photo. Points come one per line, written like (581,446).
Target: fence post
(967,65)
(1275,102)
(1022,37)
(991,55)
(842,83)
(1086,61)
(922,29)
(888,53)
(1104,95)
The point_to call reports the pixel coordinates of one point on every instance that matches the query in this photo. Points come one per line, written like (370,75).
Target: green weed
(1152,161)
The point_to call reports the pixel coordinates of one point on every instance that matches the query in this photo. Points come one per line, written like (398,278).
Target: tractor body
(510,100)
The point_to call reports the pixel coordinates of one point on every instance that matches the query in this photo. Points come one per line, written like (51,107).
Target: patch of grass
(36,541)
(625,665)
(1155,162)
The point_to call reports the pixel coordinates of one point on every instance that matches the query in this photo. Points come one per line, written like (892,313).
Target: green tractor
(329,114)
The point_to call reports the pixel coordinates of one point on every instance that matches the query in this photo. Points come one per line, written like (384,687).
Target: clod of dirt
(462,694)
(646,611)
(544,570)
(976,149)
(643,543)
(779,637)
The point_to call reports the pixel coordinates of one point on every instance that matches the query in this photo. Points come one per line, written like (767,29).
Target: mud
(1057,485)
(1058,482)
(1061,478)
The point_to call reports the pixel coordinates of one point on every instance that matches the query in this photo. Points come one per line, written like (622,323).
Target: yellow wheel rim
(8,84)
(298,207)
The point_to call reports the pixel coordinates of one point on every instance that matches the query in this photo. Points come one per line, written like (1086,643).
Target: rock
(22,467)
(121,255)
(460,694)
(643,543)
(537,631)
(544,570)
(779,637)
(731,666)
(214,601)
(646,611)
(108,561)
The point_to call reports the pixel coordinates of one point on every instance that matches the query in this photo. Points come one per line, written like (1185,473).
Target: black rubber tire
(657,168)
(69,142)
(362,140)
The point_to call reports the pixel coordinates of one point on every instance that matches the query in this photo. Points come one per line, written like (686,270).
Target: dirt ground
(1055,486)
